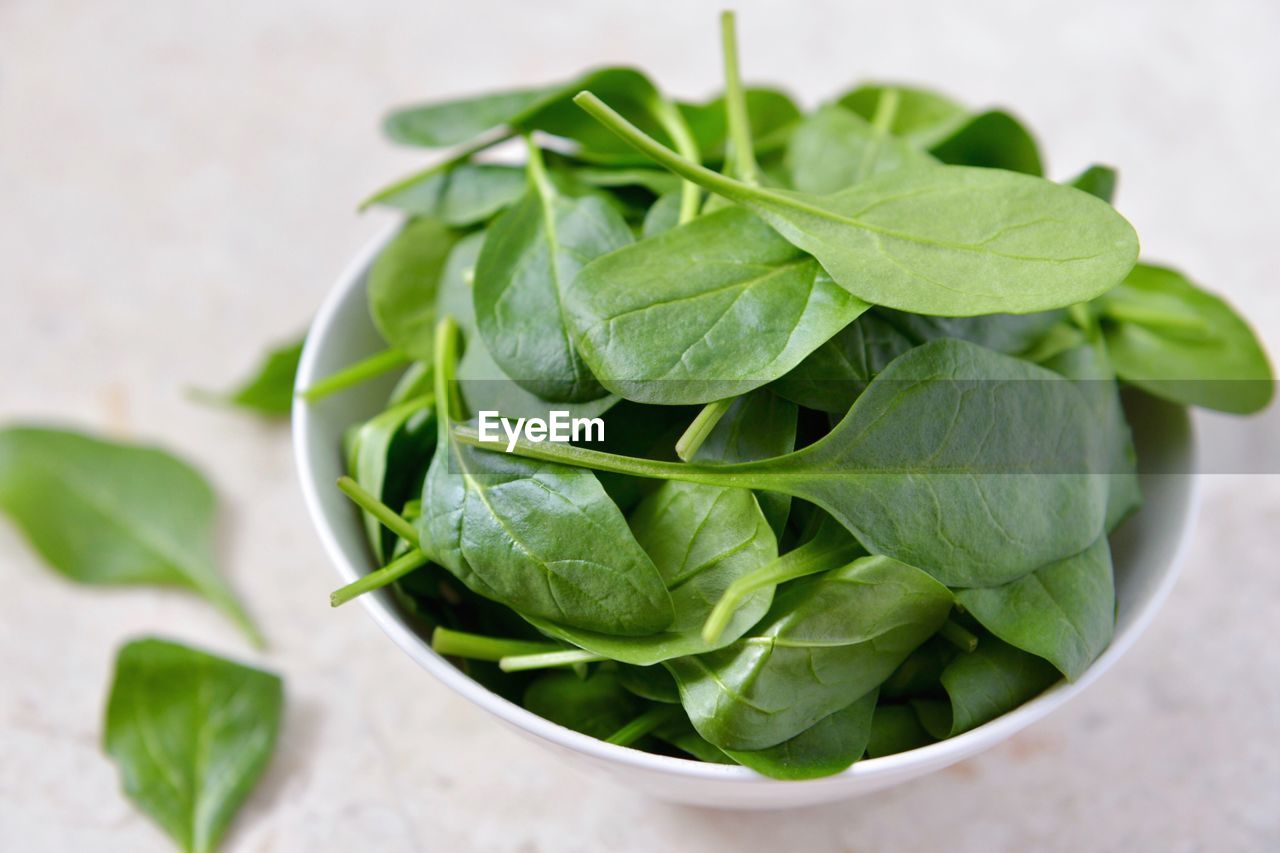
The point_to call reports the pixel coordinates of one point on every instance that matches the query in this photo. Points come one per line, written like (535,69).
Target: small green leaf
(462,196)
(403,285)
(191,733)
(270,390)
(109,513)
(982,685)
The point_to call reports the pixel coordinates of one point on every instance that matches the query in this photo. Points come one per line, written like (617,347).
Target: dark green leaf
(982,685)
(388,457)
(826,748)
(597,705)
(922,117)
(403,284)
(270,390)
(894,729)
(1098,181)
(993,140)
(462,196)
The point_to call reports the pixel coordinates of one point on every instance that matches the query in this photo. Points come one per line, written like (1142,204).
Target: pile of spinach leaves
(860,372)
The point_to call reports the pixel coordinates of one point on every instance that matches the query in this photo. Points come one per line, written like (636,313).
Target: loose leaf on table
(826,748)
(1097,181)
(103,512)
(982,685)
(542,538)
(191,733)
(529,262)
(894,729)
(1176,341)
(833,149)
(951,240)
(825,643)
(388,457)
(597,705)
(969,464)
(1064,612)
(701,538)
(403,284)
(464,195)
(705,311)
(270,390)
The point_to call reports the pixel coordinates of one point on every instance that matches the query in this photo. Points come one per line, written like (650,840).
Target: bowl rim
(933,755)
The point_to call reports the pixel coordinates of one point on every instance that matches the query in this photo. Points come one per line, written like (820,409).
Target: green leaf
(831,377)
(1178,342)
(1097,181)
(952,241)
(772,113)
(982,685)
(542,538)
(825,643)
(110,513)
(662,216)
(701,538)
(993,140)
(894,729)
(826,748)
(597,705)
(403,284)
(444,123)
(833,149)
(922,117)
(270,390)
(708,310)
(191,733)
(1064,612)
(464,195)
(650,682)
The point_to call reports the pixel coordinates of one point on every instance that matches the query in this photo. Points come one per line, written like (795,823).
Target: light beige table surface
(177,188)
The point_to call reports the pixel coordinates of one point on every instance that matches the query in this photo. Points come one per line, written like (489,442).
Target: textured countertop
(177,189)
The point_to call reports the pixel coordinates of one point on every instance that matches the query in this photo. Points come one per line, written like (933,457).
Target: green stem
(701,427)
(745,167)
(449,163)
(669,119)
(886,112)
(388,574)
(391,519)
(1153,317)
(643,724)
(958,636)
(817,555)
(536,169)
(460,644)
(365,369)
(448,407)
(520,662)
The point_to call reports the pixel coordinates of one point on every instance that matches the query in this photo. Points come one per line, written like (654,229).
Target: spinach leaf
(109,513)
(530,259)
(970,464)
(1178,342)
(1064,612)
(655,181)
(772,116)
(708,310)
(650,682)
(544,539)
(923,118)
(833,149)
(1096,180)
(388,458)
(683,737)
(1012,334)
(701,538)
(662,216)
(832,376)
(826,748)
(954,241)
(982,685)
(894,729)
(597,705)
(464,195)
(270,390)
(825,643)
(403,284)
(191,733)
(993,140)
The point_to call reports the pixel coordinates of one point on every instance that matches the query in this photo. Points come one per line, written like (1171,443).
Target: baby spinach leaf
(529,261)
(982,685)
(923,118)
(662,216)
(772,116)
(270,390)
(683,737)
(403,284)
(970,464)
(825,643)
(1098,181)
(994,140)
(831,377)
(1176,341)
(709,310)
(826,748)
(650,682)
(1012,334)
(597,705)
(544,539)
(655,181)
(701,538)
(894,729)
(438,125)
(462,196)
(103,512)
(953,241)
(388,457)
(833,149)
(1064,612)
(191,733)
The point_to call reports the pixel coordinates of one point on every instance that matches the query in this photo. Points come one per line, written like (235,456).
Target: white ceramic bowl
(1147,551)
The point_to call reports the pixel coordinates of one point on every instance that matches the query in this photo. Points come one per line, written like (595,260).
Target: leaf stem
(744,163)
(958,635)
(881,121)
(643,724)
(392,520)
(543,660)
(670,120)
(701,428)
(460,644)
(449,163)
(365,369)
(388,574)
